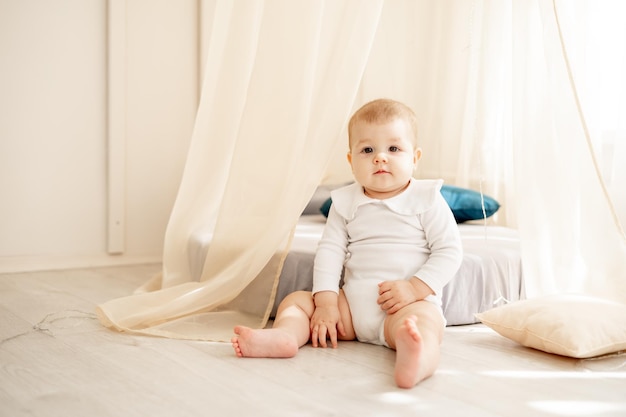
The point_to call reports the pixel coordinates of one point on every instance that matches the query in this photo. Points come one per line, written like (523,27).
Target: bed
(490,274)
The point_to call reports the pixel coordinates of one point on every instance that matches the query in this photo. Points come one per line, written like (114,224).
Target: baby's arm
(444,242)
(326,320)
(329,259)
(393,295)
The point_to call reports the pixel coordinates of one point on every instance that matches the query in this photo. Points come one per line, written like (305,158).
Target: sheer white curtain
(280,83)
(595,36)
(572,239)
(497,108)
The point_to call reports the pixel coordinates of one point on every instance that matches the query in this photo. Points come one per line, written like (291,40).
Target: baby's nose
(380,157)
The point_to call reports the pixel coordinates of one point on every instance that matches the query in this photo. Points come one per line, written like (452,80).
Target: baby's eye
(367,149)
(393,149)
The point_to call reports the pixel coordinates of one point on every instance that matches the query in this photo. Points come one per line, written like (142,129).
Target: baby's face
(382,157)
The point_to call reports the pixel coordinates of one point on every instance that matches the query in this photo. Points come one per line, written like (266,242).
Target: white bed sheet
(490,274)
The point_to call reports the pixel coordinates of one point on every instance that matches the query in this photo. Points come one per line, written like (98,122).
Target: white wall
(54,127)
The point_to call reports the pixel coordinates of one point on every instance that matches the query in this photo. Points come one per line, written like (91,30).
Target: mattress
(490,274)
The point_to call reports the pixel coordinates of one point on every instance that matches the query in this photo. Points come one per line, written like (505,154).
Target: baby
(397,244)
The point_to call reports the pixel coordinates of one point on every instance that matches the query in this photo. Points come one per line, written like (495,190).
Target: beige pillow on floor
(570,325)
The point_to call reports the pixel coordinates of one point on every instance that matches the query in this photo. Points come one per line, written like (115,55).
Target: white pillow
(578,326)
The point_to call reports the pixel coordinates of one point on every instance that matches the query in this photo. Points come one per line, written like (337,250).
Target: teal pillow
(465,204)
(326,206)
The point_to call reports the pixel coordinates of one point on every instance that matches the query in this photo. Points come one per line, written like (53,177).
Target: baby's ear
(418,155)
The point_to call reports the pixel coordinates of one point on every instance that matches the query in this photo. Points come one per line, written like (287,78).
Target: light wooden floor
(57,360)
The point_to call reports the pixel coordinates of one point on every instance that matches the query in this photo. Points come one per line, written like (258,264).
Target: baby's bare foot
(263,343)
(408,354)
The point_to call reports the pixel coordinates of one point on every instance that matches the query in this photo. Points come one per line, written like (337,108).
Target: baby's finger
(314,333)
(383,297)
(393,309)
(322,336)
(332,333)
(342,330)
(396,307)
(385,303)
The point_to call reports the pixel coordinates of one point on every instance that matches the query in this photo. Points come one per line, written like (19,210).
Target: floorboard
(57,360)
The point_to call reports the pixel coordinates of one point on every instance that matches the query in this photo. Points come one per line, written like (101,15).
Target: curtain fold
(280,83)
(571,238)
(497,111)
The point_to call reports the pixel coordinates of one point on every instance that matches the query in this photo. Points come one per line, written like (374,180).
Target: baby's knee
(306,296)
(300,299)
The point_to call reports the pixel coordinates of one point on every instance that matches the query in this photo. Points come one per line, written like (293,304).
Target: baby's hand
(393,295)
(325,322)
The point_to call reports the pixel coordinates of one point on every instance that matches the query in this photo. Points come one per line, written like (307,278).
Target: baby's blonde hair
(381,111)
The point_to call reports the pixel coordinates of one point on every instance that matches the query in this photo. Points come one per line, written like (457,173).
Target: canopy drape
(498,111)
(572,238)
(281,80)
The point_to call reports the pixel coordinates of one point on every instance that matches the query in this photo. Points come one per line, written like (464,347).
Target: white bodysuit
(411,234)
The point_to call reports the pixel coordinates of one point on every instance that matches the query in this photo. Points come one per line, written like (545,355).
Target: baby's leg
(290,331)
(415,333)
